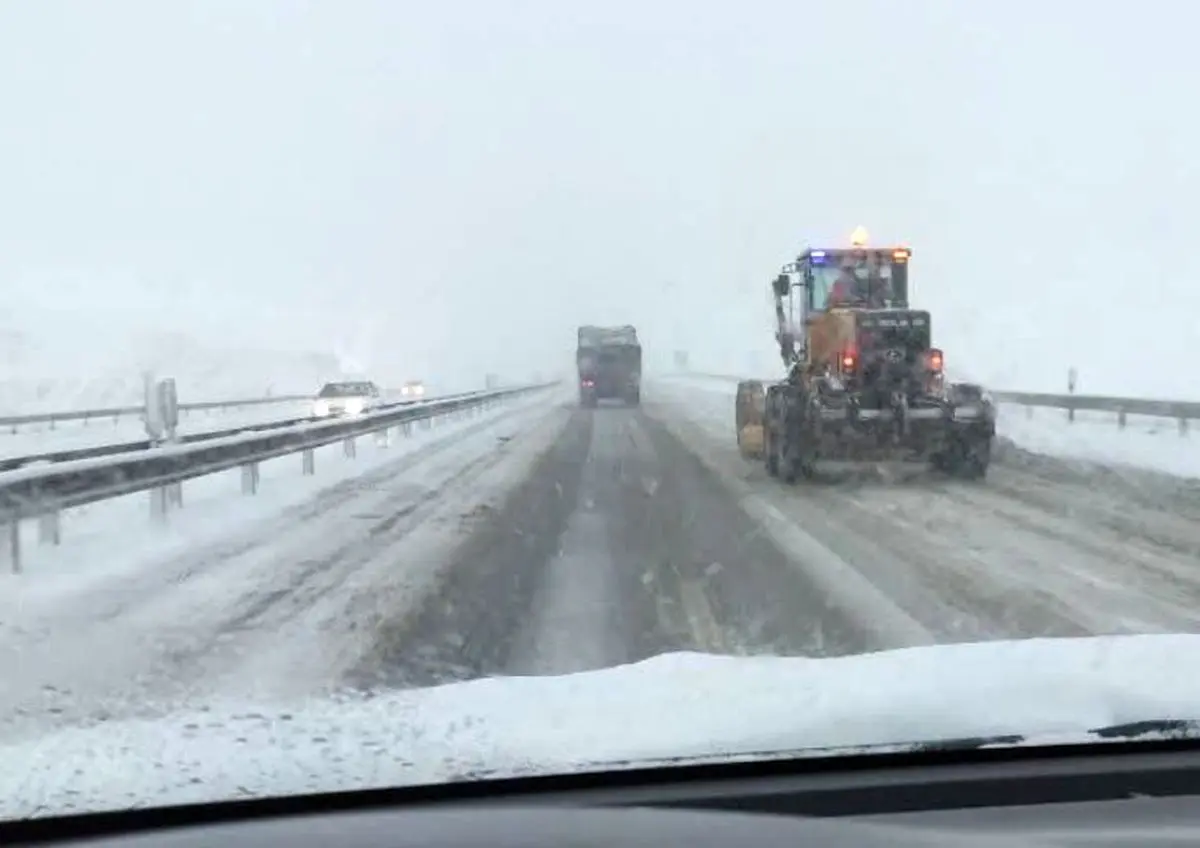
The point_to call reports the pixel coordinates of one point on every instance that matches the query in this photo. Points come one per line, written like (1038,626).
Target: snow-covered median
(1144,442)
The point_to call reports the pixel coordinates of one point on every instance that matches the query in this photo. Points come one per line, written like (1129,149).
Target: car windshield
(654,498)
(336,390)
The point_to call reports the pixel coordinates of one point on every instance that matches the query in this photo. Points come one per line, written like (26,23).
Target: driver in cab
(845,290)
(849,288)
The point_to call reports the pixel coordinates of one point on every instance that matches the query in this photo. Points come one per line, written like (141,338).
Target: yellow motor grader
(864,383)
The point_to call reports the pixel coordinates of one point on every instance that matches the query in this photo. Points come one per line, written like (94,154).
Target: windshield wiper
(1176,728)
(968,743)
(1171,728)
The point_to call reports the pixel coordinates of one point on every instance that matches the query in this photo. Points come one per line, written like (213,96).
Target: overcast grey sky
(462,183)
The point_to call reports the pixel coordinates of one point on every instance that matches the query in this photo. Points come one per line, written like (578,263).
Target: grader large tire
(749,407)
(750,441)
(770,455)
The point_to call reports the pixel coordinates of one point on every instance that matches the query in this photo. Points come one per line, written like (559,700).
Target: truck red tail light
(849,358)
(587,384)
(934,360)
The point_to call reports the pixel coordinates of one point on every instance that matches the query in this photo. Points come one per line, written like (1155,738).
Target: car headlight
(321,408)
(354,406)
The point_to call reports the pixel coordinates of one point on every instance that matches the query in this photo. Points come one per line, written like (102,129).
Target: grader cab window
(857,278)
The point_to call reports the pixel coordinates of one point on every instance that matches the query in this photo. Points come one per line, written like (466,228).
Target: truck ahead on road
(610,364)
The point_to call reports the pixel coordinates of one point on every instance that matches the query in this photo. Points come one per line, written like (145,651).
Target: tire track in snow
(467,629)
(618,547)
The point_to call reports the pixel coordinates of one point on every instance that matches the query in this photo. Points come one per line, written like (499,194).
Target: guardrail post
(1120,419)
(250,478)
(1183,426)
(383,438)
(50,528)
(350,447)
(406,429)
(158,504)
(13,528)
(175,495)
(307,462)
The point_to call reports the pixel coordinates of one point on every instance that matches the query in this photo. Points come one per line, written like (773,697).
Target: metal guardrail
(92,451)
(1181,410)
(116,413)
(44,491)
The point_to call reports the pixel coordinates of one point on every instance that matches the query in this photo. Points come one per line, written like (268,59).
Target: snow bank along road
(546,539)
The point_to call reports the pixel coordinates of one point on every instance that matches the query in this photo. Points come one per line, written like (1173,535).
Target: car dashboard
(1104,794)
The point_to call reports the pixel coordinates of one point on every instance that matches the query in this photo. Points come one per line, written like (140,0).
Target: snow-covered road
(1146,442)
(266,607)
(1044,547)
(544,539)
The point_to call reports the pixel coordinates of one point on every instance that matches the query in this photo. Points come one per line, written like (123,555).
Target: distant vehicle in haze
(413,389)
(609,360)
(348,398)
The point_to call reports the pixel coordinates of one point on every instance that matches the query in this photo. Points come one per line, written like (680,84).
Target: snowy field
(1144,442)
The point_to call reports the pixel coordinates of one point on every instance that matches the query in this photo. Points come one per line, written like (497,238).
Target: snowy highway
(539,538)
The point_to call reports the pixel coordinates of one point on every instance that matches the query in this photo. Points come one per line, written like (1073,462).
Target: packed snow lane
(619,546)
(278,607)
(1044,547)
